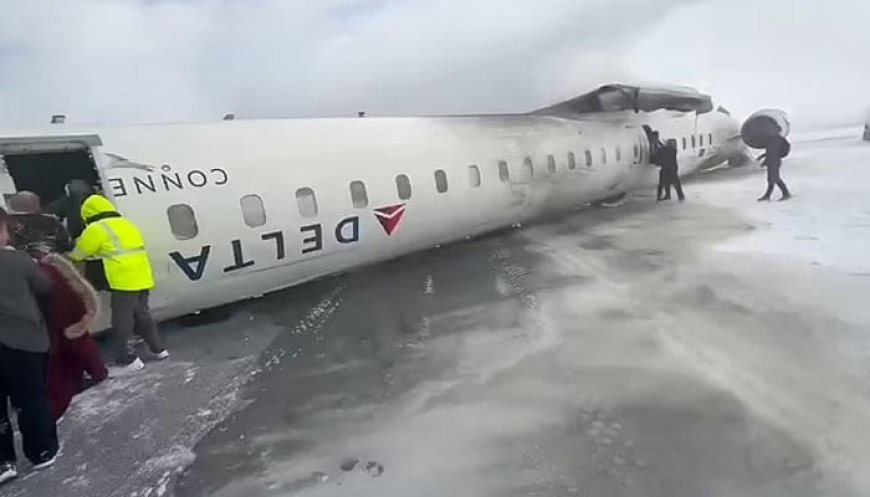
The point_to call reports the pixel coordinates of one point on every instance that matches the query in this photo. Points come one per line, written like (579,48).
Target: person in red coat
(71,313)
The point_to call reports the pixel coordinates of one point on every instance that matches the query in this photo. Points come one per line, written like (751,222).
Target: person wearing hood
(118,243)
(68,208)
(71,312)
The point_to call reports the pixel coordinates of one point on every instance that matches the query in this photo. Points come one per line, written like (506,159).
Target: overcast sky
(169,60)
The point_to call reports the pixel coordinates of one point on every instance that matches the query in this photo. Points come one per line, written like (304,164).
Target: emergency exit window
(710,139)
(588,155)
(618,153)
(572,161)
(358,194)
(694,145)
(551,164)
(253,211)
(603,156)
(684,143)
(182,221)
(306,202)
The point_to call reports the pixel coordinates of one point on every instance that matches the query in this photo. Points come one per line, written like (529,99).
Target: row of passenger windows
(699,142)
(182,219)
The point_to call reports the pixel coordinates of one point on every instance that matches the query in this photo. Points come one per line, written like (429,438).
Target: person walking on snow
(119,244)
(776,150)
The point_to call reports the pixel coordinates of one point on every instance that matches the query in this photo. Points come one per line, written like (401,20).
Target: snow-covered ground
(828,223)
(719,347)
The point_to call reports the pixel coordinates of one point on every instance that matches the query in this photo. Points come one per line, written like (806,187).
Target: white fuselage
(263,205)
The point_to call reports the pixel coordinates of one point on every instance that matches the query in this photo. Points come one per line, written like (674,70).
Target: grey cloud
(134,60)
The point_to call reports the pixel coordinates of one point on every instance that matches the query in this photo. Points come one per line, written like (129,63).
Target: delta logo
(390,217)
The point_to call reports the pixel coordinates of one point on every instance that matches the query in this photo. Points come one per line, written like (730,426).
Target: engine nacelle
(762,126)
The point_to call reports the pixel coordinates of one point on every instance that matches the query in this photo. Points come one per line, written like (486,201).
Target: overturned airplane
(238,208)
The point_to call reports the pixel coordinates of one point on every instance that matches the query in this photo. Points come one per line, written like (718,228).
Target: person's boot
(764,199)
(119,370)
(785,196)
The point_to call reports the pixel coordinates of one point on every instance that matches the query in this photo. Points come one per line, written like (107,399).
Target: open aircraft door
(44,164)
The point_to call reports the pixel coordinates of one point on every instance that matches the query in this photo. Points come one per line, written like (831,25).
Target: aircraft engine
(763,125)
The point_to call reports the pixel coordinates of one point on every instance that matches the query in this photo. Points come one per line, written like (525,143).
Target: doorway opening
(44,166)
(46,174)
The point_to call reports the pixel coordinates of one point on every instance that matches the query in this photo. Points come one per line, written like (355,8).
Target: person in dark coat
(669,175)
(777,149)
(34,232)
(69,207)
(24,345)
(71,313)
(70,309)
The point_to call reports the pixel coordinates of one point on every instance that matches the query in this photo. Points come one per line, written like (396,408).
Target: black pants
(774,179)
(130,314)
(666,180)
(24,379)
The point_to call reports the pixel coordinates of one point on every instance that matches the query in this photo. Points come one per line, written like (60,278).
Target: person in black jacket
(24,344)
(69,207)
(669,175)
(776,150)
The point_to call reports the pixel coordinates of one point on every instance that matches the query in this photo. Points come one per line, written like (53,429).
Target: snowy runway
(719,347)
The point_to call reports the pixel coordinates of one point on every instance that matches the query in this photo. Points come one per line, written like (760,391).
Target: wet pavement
(608,352)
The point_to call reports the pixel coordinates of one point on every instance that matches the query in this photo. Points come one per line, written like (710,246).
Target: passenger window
(182,221)
(572,161)
(441,181)
(684,143)
(603,156)
(710,139)
(551,164)
(358,194)
(636,151)
(528,167)
(504,173)
(588,154)
(693,142)
(474,176)
(306,202)
(700,140)
(253,211)
(403,187)
(618,153)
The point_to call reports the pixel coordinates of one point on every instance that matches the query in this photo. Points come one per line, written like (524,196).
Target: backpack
(786,148)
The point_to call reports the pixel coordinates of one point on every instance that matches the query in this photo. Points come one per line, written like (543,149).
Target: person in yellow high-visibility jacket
(118,243)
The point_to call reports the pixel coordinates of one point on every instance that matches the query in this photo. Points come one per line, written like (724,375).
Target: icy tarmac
(716,348)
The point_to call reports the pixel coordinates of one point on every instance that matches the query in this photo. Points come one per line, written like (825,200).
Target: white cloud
(158,60)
